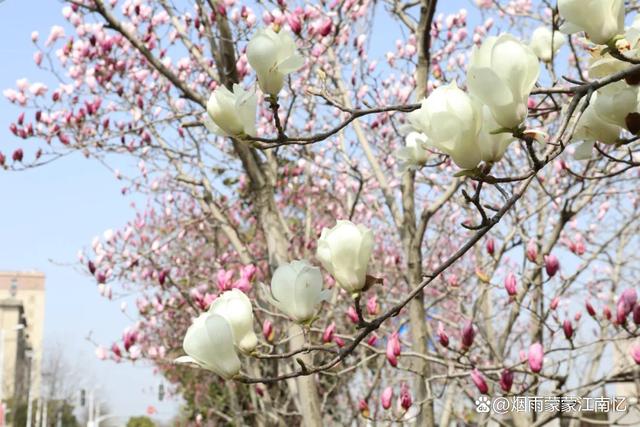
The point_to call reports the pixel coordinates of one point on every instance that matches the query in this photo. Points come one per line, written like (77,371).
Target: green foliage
(140,422)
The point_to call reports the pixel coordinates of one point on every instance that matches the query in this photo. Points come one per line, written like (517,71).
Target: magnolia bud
(267,330)
(567,327)
(554,303)
(18,154)
(491,246)
(468,334)
(479,381)
(590,309)
(352,314)
(506,380)
(373,339)
(442,335)
(405,397)
(532,251)
(92,267)
(510,284)
(536,357)
(364,408)
(386,397)
(393,349)
(635,353)
(551,264)
(327,335)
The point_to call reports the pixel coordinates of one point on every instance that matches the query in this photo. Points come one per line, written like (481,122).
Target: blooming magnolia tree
(338,233)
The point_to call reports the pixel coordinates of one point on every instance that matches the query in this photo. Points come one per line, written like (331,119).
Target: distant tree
(140,422)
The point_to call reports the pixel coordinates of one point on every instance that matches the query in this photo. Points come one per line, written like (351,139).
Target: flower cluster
(213,340)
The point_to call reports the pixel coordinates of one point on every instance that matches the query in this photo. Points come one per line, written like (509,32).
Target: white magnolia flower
(601,66)
(451,121)
(236,308)
(492,146)
(592,128)
(501,74)
(209,344)
(414,154)
(232,113)
(602,20)
(273,55)
(296,288)
(344,251)
(615,101)
(546,43)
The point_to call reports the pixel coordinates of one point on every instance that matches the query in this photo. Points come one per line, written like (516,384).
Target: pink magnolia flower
(536,357)
(479,381)
(224,280)
(386,397)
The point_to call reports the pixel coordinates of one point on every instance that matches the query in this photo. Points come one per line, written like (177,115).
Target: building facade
(22,299)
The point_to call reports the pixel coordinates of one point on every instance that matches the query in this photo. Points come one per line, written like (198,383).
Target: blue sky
(49,213)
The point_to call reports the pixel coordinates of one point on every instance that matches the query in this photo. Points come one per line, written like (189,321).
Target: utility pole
(29,396)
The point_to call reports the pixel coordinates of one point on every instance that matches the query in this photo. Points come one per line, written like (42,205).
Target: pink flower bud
(630,297)
(635,353)
(393,349)
(506,380)
(554,303)
(536,357)
(510,284)
(372,306)
(224,279)
(364,408)
(491,246)
(606,312)
(352,314)
(373,340)
(115,349)
(338,341)
(294,23)
(479,381)
(590,309)
(17,155)
(405,397)
(622,310)
(551,264)
(636,314)
(162,277)
(567,327)
(325,28)
(267,330)
(2,159)
(532,251)
(329,332)
(92,267)
(386,397)
(442,335)
(468,334)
